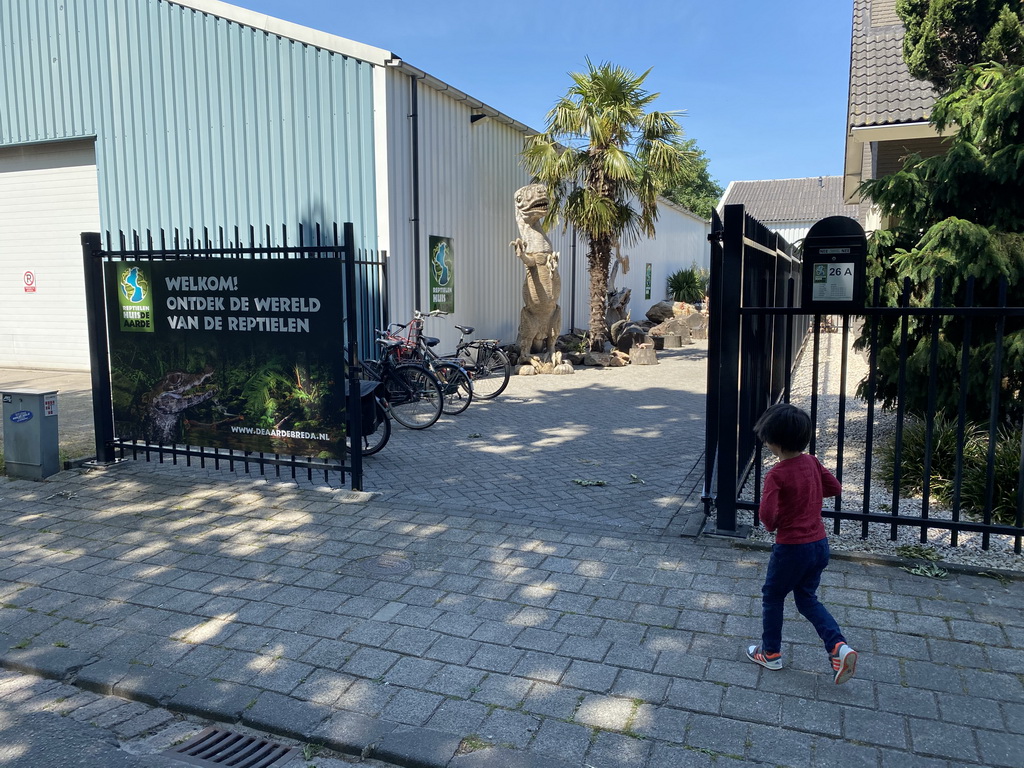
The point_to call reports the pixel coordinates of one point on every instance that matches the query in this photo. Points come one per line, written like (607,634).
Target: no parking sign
(30,281)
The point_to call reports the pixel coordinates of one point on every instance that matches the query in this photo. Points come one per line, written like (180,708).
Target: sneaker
(766,660)
(844,662)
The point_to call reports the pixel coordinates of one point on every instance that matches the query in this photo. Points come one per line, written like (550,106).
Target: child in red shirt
(791,507)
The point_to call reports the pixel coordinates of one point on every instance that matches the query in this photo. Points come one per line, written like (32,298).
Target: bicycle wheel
(456,386)
(371,370)
(374,441)
(490,372)
(414,396)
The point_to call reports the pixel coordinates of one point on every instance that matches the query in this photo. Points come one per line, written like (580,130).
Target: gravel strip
(968,552)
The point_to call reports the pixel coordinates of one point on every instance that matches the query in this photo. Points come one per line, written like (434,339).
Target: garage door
(48,197)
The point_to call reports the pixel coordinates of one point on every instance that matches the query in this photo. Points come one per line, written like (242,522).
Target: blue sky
(763,85)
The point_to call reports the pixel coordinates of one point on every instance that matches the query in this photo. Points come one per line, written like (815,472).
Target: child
(791,507)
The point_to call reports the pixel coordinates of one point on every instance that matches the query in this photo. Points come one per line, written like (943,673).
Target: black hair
(784,425)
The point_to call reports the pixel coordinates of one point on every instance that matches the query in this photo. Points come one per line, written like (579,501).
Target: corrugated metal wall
(469,172)
(791,231)
(680,242)
(200,122)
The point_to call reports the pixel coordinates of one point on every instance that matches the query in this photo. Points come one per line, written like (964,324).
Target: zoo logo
(441,264)
(134,285)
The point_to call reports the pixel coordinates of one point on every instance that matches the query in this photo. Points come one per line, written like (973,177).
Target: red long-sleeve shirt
(792,499)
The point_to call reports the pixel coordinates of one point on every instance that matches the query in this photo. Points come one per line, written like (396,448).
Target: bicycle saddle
(430,341)
(467,329)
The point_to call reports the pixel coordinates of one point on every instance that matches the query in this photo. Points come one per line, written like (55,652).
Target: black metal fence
(364,289)
(758,336)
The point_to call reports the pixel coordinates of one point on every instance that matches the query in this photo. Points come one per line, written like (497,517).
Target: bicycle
(413,394)
(456,383)
(488,367)
(376,421)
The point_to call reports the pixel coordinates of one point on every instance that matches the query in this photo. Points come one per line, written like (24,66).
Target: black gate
(758,335)
(363,309)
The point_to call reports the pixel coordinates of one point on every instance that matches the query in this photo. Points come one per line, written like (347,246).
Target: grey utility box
(30,433)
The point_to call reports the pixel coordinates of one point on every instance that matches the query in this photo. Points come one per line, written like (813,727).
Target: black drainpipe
(415,123)
(572,285)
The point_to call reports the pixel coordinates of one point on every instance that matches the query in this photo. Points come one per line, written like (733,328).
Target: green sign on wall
(647,283)
(442,276)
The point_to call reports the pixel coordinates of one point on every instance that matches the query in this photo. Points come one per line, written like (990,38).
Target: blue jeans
(796,568)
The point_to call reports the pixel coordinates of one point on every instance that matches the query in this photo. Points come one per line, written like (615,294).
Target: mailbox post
(835,266)
(30,433)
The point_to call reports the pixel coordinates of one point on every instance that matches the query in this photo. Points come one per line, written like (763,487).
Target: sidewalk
(516,618)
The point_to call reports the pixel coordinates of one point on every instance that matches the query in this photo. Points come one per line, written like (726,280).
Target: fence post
(354,422)
(96,315)
(728,369)
(711,426)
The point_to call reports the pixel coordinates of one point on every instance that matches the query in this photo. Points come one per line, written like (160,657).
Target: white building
(150,115)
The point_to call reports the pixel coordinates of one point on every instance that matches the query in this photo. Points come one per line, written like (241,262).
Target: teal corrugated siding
(200,122)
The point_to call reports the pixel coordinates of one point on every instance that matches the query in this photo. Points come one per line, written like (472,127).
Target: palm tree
(603,154)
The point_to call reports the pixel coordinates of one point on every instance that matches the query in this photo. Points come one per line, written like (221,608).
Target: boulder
(676,326)
(601,359)
(698,326)
(626,334)
(664,310)
(643,355)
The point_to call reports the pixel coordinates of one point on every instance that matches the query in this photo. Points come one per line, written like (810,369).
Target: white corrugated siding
(791,231)
(681,240)
(469,173)
(48,195)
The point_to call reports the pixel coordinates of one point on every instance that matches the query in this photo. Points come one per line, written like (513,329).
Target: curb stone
(417,748)
(277,713)
(51,663)
(150,686)
(497,757)
(99,677)
(267,711)
(216,700)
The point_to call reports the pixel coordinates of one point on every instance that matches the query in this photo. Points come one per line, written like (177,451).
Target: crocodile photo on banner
(238,354)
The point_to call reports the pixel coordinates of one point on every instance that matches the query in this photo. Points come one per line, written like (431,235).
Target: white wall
(681,240)
(469,173)
(791,231)
(48,197)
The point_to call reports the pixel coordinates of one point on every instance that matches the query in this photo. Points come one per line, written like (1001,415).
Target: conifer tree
(958,215)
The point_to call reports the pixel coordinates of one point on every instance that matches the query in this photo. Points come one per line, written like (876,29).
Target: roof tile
(882,90)
(779,200)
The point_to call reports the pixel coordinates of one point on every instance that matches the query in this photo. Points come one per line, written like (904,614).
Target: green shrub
(944,444)
(689,285)
(1004,481)
(974,484)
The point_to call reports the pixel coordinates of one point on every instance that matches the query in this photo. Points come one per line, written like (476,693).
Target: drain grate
(385,565)
(214,747)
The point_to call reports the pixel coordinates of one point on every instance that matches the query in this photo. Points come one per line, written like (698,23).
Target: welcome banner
(229,353)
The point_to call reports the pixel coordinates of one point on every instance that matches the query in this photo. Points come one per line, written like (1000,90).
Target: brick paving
(539,623)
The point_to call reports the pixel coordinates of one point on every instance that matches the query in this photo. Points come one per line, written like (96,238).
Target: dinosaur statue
(541,317)
(166,402)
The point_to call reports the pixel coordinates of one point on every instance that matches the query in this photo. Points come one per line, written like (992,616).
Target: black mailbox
(835,260)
